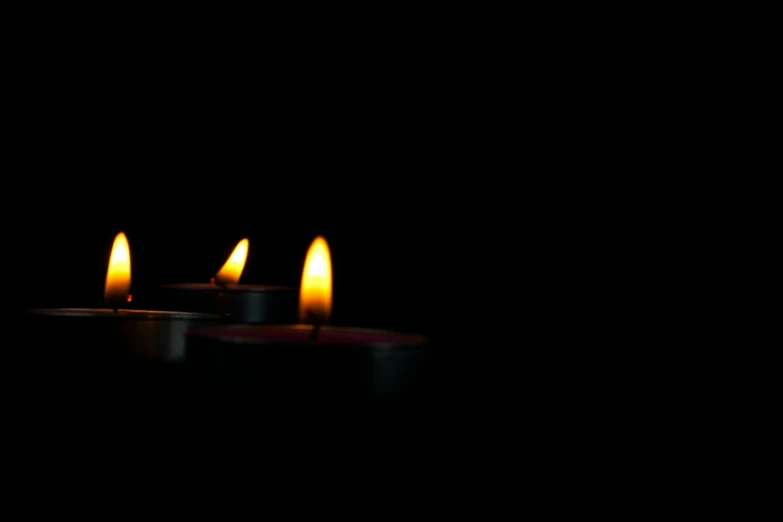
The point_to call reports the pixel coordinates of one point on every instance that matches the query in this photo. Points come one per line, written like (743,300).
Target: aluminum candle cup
(234,303)
(278,362)
(94,334)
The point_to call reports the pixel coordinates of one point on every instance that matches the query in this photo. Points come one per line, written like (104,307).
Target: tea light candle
(233,302)
(113,333)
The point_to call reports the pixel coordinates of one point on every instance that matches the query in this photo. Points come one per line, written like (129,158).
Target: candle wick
(314,318)
(221,284)
(314,332)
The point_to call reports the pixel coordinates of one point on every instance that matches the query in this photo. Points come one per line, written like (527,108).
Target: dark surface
(100,382)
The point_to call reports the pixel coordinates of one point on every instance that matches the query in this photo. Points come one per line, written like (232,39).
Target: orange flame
(232,270)
(315,295)
(118,277)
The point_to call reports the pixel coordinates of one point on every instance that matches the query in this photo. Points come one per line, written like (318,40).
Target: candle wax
(300,334)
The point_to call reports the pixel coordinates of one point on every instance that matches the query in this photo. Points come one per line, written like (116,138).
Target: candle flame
(232,270)
(118,277)
(315,295)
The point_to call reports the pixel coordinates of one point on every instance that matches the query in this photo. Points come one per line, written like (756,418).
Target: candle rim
(231,287)
(125,313)
(401,339)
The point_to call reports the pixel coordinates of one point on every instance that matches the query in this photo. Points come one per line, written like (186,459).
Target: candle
(309,360)
(234,302)
(113,333)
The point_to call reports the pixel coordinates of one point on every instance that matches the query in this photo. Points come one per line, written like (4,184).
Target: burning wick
(316,320)
(218,283)
(129,298)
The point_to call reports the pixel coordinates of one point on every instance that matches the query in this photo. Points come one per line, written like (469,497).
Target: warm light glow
(315,296)
(232,270)
(118,277)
